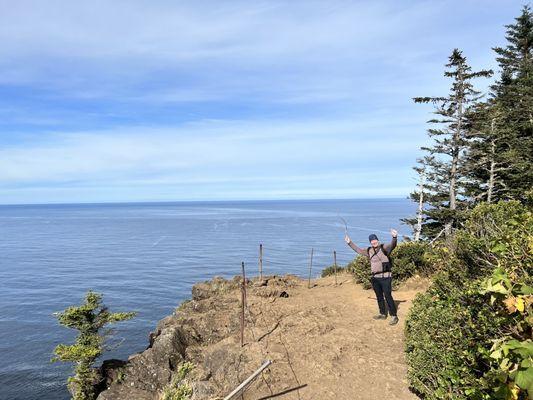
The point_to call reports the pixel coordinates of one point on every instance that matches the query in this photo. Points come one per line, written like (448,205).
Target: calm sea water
(145,257)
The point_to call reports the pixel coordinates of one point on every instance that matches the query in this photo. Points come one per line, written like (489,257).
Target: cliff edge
(322,341)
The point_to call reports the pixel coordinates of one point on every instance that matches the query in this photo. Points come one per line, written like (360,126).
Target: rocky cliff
(322,341)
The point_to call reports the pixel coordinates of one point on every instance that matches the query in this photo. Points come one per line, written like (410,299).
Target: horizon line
(201,201)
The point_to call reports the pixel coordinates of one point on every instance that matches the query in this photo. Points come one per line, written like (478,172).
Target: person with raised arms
(380,266)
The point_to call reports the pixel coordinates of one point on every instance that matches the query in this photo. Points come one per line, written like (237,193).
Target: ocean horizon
(145,257)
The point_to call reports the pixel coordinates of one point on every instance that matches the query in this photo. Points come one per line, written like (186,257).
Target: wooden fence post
(261,261)
(310,267)
(335,265)
(243,302)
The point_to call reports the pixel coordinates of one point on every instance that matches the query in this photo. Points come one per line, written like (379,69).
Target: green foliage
(409,258)
(443,340)
(89,320)
(512,368)
(469,336)
(444,158)
(497,235)
(328,271)
(514,93)
(481,150)
(360,269)
(179,389)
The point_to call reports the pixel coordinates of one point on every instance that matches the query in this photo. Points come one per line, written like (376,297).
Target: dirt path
(324,341)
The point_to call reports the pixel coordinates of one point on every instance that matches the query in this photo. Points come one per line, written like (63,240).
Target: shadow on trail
(283,392)
(396,302)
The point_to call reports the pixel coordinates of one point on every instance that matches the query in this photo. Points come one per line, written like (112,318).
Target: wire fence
(278,260)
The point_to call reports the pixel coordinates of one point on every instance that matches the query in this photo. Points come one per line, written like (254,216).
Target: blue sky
(208,100)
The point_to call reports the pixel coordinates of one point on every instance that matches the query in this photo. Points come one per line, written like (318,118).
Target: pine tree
(445,160)
(513,92)
(486,159)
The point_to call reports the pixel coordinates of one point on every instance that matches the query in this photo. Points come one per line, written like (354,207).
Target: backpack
(385,266)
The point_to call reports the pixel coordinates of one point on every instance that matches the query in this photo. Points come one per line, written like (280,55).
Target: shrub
(511,369)
(179,388)
(360,269)
(331,270)
(497,235)
(445,339)
(462,341)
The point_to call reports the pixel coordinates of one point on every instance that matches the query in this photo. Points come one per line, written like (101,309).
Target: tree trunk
(492,169)
(418,229)
(456,151)
(453,179)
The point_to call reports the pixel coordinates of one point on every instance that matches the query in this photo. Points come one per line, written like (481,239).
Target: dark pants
(383,288)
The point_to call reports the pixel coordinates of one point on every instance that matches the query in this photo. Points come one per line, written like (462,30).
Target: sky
(118,101)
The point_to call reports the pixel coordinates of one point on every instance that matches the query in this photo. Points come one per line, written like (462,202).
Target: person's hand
(394,232)
(347,239)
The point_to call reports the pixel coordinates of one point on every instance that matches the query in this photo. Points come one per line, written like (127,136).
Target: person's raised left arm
(390,246)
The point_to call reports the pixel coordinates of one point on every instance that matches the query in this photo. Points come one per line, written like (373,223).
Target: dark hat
(372,237)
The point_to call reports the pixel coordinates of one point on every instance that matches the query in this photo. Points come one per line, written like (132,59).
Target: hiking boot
(394,320)
(380,316)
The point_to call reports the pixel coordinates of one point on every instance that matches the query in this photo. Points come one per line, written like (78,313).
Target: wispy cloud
(171,100)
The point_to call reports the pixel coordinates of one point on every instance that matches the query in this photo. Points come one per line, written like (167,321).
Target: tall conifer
(513,92)
(445,160)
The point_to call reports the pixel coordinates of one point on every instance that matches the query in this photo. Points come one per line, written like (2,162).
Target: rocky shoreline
(203,331)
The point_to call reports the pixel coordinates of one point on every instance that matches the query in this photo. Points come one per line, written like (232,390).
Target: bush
(409,258)
(360,269)
(331,270)
(445,340)
(179,388)
(461,343)
(497,235)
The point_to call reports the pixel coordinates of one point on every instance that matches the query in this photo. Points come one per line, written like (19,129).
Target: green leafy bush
(179,388)
(331,270)
(462,341)
(360,269)
(445,339)
(511,370)
(497,235)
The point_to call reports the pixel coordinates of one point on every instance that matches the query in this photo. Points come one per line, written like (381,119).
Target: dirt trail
(324,341)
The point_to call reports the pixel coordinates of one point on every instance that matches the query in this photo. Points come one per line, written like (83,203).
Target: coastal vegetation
(178,388)
(90,320)
(470,335)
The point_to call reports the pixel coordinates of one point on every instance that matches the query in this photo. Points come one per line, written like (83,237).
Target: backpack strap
(382,247)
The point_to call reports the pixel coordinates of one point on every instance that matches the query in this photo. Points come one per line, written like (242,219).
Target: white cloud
(214,151)
(298,51)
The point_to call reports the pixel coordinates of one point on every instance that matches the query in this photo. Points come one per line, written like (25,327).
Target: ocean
(145,257)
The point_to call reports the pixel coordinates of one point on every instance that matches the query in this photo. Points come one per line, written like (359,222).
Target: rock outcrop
(203,331)
(322,341)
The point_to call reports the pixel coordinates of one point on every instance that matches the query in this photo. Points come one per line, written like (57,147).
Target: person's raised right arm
(354,247)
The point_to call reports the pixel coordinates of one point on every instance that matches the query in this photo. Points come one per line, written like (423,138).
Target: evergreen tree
(513,92)
(486,160)
(444,163)
(89,320)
